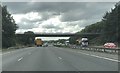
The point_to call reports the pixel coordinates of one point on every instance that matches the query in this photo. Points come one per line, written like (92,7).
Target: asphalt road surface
(54,59)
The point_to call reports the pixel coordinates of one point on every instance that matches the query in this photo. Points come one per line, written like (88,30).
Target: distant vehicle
(84,42)
(45,44)
(67,43)
(38,42)
(29,45)
(110,45)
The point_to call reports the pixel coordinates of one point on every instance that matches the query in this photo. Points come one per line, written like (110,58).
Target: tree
(108,27)
(27,38)
(94,28)
(72,40)
(8,28)
(111,21)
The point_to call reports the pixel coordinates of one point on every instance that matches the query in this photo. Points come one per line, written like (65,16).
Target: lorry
(38,42)
(84,42)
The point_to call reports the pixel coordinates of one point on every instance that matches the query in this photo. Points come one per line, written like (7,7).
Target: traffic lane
(16,50)
(86,62)
(95,54)
(0,63)
(43,59)
(102,54)
(13,56)
(50,59)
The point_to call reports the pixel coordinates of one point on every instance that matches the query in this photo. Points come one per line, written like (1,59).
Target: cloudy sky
(56,17)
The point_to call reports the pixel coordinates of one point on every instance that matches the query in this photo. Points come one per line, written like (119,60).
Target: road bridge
(61,34)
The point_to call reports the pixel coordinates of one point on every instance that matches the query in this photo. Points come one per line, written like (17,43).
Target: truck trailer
(84,42)
(38,42)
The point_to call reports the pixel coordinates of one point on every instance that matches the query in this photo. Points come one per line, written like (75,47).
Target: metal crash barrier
(98,49)
(95,49)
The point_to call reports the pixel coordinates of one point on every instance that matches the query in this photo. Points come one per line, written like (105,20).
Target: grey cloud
(30,21)
(89,11)
(27,24)
(50,26)
(70,12)
(46,15)
(16,7)
(24,7)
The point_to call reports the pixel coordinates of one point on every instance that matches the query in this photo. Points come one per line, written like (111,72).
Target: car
(110,45)
(45,45)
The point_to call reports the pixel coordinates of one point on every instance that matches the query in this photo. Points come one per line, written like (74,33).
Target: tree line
(108,27)
(9,38)
(8,28)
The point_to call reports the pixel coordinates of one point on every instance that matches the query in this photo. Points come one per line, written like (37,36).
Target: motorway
(54,59)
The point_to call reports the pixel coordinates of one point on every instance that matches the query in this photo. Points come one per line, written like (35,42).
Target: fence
(95,49)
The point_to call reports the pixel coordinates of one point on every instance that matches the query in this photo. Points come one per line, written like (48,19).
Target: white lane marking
(97,56)
(12,51)
(27,48)
(83,53)
(20,59)
(100,57)
(59,57)
(105,58)
(60,48)
(6,53)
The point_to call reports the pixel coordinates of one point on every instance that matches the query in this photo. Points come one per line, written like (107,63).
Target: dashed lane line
(59,57)
(97,56)
(20,59)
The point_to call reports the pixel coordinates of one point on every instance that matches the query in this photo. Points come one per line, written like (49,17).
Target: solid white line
(59,57)
(100,57)
(105,58)
(26,48)
(60,48)
(83,53)
(20,59)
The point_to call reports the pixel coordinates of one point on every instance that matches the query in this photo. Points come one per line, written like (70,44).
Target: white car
(45,45)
